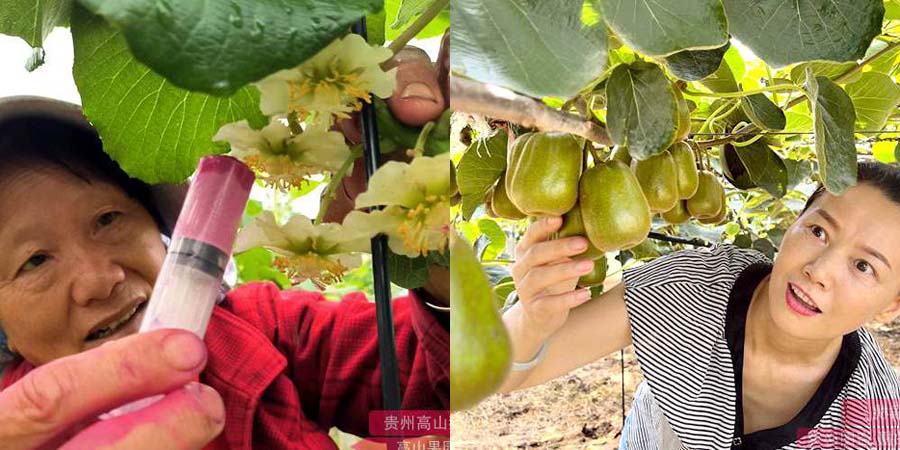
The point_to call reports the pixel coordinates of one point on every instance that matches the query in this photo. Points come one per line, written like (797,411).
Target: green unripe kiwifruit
(597,275)
(573,225)
(613,207)
(542,173)
(480,351)
(707,202)
(659,181)
(621,153)
(686,169)
(720,217)
(501,206)
(678,214)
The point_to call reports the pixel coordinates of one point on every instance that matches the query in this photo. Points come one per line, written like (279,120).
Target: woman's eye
(864,267)
(817,231)
(108,218)
(34,262)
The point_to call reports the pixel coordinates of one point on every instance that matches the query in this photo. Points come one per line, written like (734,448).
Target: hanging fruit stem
(739,94)
(423,138)
(336,178)
(595,154)
(420,23)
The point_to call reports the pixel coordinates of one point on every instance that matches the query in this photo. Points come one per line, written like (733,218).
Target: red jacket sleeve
(332,351)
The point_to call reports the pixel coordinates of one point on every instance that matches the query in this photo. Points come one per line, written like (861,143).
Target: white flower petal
(274,95)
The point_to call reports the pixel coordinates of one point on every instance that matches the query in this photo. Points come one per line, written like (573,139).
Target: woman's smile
(118,325)
(799,302)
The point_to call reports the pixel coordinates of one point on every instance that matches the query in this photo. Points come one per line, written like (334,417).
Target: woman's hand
(56,405)
(545,274)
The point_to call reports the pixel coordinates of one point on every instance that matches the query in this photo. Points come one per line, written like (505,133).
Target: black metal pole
(390,379)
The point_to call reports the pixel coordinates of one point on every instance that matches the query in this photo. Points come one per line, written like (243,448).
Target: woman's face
(842,257)
(78,259)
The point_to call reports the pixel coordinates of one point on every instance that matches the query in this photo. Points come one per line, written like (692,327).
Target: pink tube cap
(215,202)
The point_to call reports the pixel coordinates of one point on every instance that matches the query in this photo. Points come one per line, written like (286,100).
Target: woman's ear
(890,312)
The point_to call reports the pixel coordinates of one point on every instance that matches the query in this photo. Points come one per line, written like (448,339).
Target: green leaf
(663,28)
(375,28)
(502,291)
(253,209)
(647,249)
(722,79)
(798,171)
(782,32)
(885,62)
(495,235)
(827,69)
(642,109)
(439,258)
(735,62)
(891,10)
(732,229)
(155,131)
(479,168)
(875,96)
(695,65)
(538,48)
(409,9)
(885,151)
(256,265)
(798,122)
(218,46)
(589,15)
(434,28)
(765,167)
(763,112)
(833,119)
(743,240)
(775,235)
(409,273)
(33,20)
(765,247)
(413,273)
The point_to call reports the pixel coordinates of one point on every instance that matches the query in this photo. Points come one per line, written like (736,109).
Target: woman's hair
(879,175)
(39,142)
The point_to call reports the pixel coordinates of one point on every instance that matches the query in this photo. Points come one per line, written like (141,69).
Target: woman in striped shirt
(737,352)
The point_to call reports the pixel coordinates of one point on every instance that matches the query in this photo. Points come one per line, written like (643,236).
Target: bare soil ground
(581,410)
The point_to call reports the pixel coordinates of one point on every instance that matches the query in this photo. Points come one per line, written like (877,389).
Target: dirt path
(581,410)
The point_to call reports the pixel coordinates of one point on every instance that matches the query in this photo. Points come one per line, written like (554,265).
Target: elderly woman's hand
(546,273)
(57,404)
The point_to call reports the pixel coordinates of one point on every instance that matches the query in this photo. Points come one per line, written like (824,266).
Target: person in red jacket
(82,246)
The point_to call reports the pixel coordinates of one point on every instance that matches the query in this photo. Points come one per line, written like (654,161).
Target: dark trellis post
(387,349)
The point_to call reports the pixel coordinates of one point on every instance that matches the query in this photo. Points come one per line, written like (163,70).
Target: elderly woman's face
(79,262)
(843,258)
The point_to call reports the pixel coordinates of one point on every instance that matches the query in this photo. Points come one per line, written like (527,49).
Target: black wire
(621,258)
(697,242)
(788,133)
(387,348)
(622,365)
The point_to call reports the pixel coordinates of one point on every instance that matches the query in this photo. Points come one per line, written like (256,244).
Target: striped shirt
(687,311)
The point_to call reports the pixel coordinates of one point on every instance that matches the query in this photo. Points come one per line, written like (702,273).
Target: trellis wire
(387,349)
(804,133)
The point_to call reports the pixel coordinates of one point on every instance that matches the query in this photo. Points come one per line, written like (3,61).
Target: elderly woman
(82,245)
(736,351)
